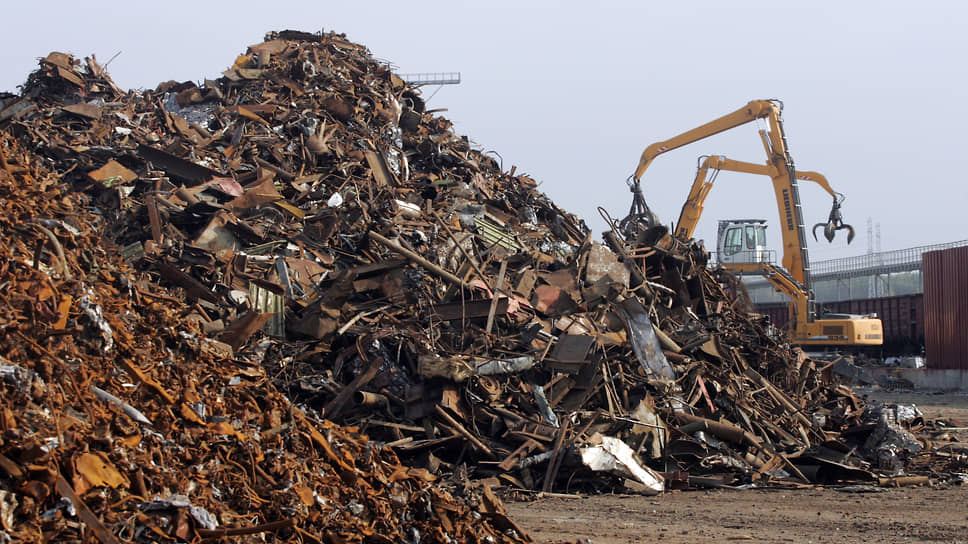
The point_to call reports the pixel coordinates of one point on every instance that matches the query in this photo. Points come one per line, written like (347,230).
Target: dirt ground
(913,514)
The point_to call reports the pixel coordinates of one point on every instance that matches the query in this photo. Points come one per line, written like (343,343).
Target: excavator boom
(639,214)
(703,184)
(780,169)
(793,278)
(693,207)
(755,109)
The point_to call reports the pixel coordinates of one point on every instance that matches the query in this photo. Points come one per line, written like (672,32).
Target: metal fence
(863,276)
(873,264)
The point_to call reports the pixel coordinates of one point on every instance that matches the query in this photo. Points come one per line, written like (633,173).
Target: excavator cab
(742,241)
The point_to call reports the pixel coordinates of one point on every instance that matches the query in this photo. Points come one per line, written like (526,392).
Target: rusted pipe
(722,430)
(366,398)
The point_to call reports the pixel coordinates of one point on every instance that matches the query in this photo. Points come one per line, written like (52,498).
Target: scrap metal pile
(203,281)
(120,423)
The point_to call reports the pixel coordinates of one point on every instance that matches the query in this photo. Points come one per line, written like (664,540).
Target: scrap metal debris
(291,304)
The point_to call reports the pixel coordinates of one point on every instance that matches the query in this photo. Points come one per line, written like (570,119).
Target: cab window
(734,241)
(750,237)
(761,236)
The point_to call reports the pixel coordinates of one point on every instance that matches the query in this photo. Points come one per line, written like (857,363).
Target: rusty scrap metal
(235,281)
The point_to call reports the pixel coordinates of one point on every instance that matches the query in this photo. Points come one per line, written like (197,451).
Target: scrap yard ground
(822,514)
(918,514)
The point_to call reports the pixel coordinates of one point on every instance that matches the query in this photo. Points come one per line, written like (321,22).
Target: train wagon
(902,318)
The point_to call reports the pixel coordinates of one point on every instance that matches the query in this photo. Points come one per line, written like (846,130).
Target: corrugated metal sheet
(268,302)
(945,275)
(494,234)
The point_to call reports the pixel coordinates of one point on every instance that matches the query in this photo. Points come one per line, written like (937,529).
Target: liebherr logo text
(787,210)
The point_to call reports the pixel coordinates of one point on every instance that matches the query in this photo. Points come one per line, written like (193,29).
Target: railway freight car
(901,316)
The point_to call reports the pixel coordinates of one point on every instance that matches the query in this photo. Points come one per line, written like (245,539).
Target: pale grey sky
(571,92)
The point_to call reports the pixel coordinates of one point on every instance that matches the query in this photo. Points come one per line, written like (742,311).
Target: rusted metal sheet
(177,166)
(945,274)
(470,309)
